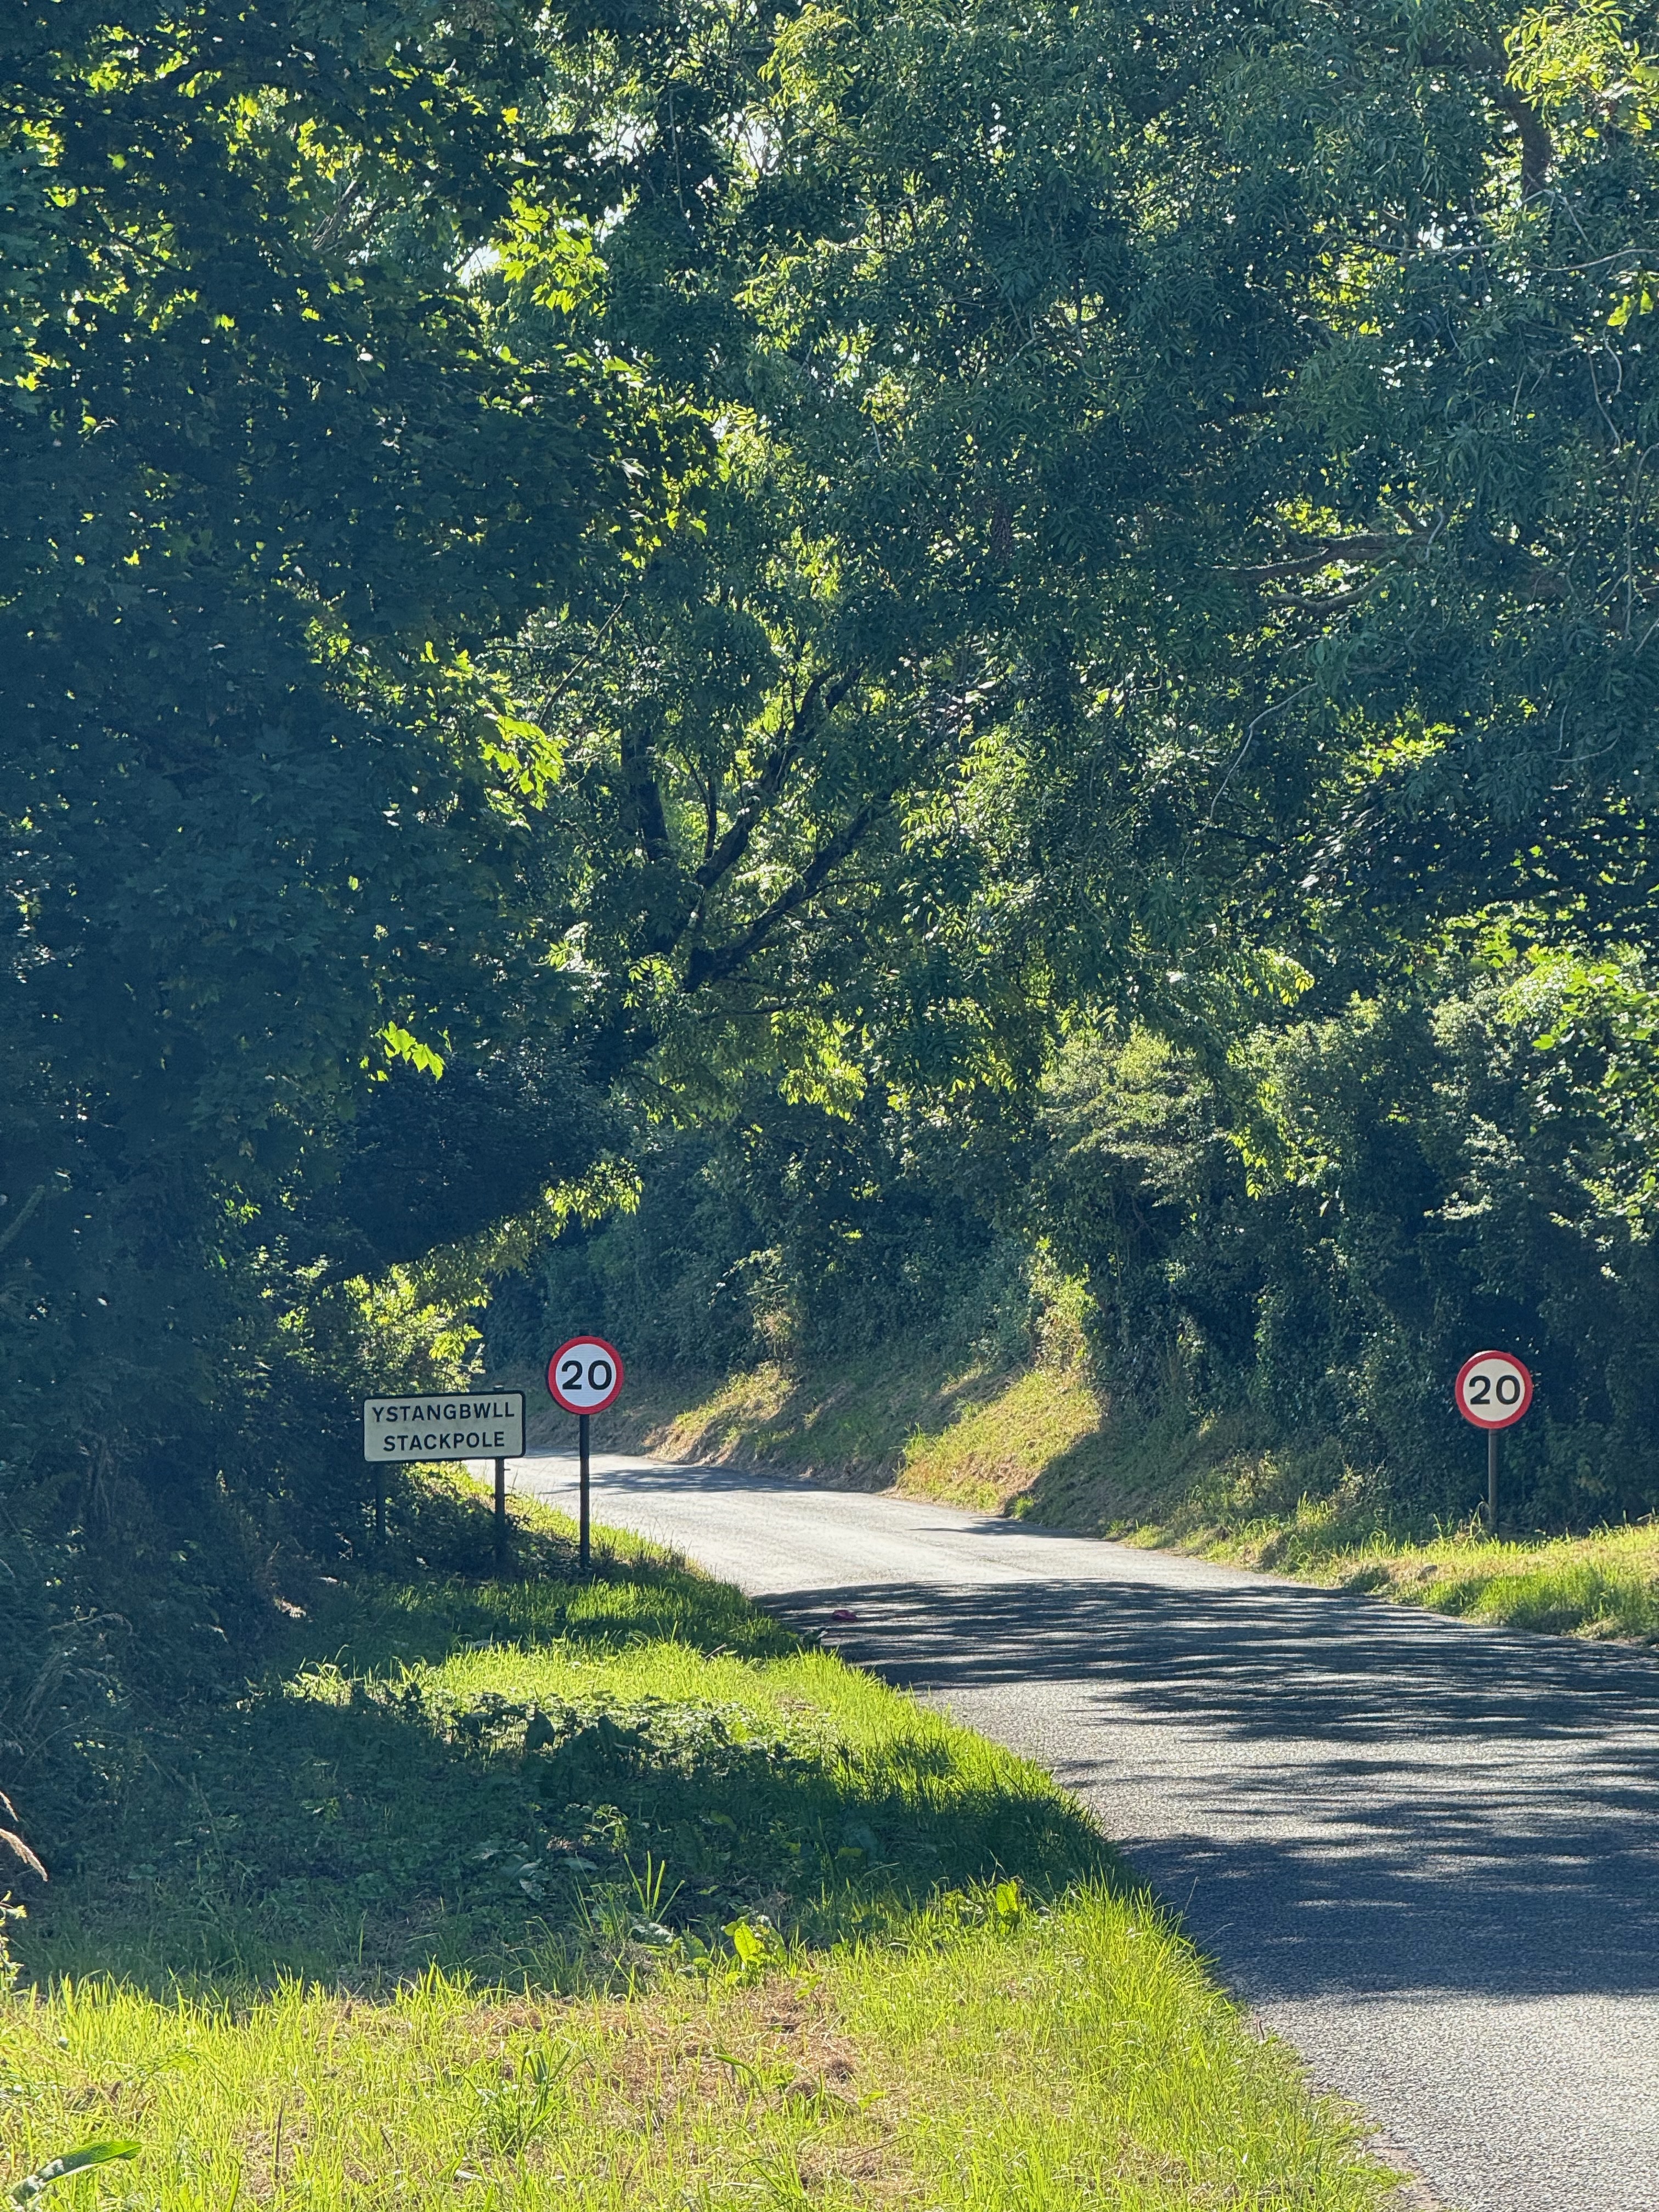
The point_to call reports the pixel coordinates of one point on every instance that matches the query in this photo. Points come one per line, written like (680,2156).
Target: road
(1426,1853)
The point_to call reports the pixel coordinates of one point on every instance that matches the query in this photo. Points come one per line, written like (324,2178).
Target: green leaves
(1123,425)
(758,1948)
(401,1044)
(273,476)
(24,2191)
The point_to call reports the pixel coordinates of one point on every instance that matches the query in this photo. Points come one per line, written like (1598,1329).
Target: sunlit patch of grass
(617,1894)
(443,2093)
(1604,1585)
(993,1450)
(1121,2078)
(478,1776)
(995,2061)
(1082,2056)
(859,1421)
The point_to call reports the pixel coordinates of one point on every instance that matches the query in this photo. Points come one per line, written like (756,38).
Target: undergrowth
(541,1777)
(613,1893)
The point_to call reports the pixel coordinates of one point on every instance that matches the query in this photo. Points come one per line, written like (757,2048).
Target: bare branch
(713,966)
(1537,147)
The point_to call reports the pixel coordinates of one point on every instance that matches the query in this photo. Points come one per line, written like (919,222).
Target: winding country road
(1426,1854)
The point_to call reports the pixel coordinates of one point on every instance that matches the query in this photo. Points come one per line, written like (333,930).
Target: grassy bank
(971,1435)
(614,1894)
(1041,1445)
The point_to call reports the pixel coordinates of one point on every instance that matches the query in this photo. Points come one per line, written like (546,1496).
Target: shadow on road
(1378,1800)
(1344,1795)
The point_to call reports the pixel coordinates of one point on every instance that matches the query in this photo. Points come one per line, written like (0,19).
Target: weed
(522,2102)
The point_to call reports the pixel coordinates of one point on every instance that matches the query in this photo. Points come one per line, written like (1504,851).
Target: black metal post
(581,1454)
(501,1517)
(1491,1481)
(380,1505)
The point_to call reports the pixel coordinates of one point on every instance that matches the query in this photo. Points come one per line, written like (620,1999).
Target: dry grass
(856,1424)
(439,2092)
(993,1451)
(1079,2057)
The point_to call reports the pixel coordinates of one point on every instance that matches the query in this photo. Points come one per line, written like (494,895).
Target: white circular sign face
(586,1375)
(1493,1389)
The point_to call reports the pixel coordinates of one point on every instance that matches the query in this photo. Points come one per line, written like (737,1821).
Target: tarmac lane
(1426,1853)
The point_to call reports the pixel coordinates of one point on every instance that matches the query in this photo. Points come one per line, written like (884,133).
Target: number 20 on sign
(586,1375)
(1492,1391)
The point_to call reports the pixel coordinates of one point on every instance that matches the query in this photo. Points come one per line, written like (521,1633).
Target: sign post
(585,1376)
(456,1424)
(1493,1389)
(583,1546)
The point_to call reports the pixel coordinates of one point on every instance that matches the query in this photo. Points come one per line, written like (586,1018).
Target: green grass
(616,1894)
(1604,1586)
(1204,1488)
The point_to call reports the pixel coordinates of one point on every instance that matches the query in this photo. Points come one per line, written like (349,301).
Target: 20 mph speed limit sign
(1493,1389)
(586,1375)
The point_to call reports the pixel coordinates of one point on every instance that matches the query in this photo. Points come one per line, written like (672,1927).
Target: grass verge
(614,1894)
(1040,1445)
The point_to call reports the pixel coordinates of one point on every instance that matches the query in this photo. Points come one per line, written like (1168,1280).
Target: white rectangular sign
(488,1424)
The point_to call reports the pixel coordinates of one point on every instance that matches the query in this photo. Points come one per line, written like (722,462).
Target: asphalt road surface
(1425,1853)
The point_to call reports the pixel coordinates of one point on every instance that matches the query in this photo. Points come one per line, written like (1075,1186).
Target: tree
(271,482)
(1175,535)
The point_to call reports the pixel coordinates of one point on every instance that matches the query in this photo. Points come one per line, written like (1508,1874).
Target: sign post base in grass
(445,1425)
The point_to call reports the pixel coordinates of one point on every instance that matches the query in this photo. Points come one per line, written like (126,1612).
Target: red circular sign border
(1510,1419)
(616,1388)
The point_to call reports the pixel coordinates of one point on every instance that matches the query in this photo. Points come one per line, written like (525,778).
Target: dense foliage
(1311,1231)
(270,485)
(952,650)
(1259,413)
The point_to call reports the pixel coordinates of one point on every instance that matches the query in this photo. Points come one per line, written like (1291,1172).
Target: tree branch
(1363,545)
(714,965)
(823,695)
(646,798)
(1537,147)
